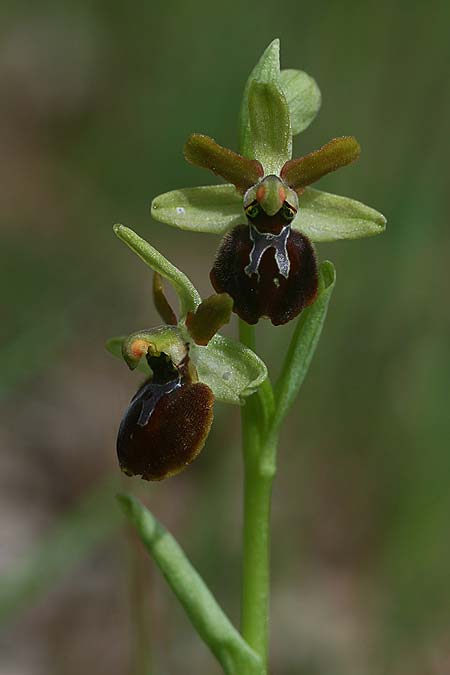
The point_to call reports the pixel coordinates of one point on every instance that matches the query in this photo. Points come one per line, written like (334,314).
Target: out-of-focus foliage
(97,99)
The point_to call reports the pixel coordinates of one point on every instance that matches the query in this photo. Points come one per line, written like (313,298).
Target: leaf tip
(381,221)
(109,345)
(154,205)
(126,503)
(328,274)
(272,50)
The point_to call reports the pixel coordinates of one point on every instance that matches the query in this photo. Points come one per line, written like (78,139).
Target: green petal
(210,208)
(266,70)
(231,370)
(326,217)
(303,97)
(270,126)
(203,151)
(188,295)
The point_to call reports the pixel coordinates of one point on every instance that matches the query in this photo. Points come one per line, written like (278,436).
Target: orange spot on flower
(282,193)
(260,192)
(139,348)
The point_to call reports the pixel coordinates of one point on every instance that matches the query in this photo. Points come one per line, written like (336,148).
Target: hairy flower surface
(188,366)
(268,265)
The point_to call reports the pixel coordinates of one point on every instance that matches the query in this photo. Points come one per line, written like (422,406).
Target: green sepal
(326,217)
(187,293)
(209,620)
(164,339)
(209,317)
(303,345)
(230,369)
(270,126)
(213,209)
(303,98)
(203,151)
(298,173)
(266,70)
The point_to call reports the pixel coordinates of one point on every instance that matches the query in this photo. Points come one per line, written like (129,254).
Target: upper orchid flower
(269,265)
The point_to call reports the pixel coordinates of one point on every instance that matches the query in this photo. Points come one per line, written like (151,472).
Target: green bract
(276,105)
(231,370)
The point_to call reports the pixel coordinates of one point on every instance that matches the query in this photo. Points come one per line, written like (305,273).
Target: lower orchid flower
(187,365)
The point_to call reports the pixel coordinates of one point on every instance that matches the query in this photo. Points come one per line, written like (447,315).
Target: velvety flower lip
(166,424)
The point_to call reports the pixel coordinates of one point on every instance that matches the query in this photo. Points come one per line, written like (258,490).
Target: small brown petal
(298,173)
(242,172)
(162,305)
(209,317)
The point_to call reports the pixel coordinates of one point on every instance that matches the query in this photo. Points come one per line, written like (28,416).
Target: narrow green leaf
(303,97)
(266,70)
(270,126)
(188,295)
(207,617)
(326,217)
(230,369)
(77,533)
(303,345)
(203,151)
(210,208)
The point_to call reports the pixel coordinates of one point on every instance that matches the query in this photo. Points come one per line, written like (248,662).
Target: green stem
(259,467)
(140,610)
(211,623)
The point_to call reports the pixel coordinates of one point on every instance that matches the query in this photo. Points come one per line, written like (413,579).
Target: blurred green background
(96,100)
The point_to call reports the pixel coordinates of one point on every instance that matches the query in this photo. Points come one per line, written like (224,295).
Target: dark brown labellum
(165,426)
(266,273)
